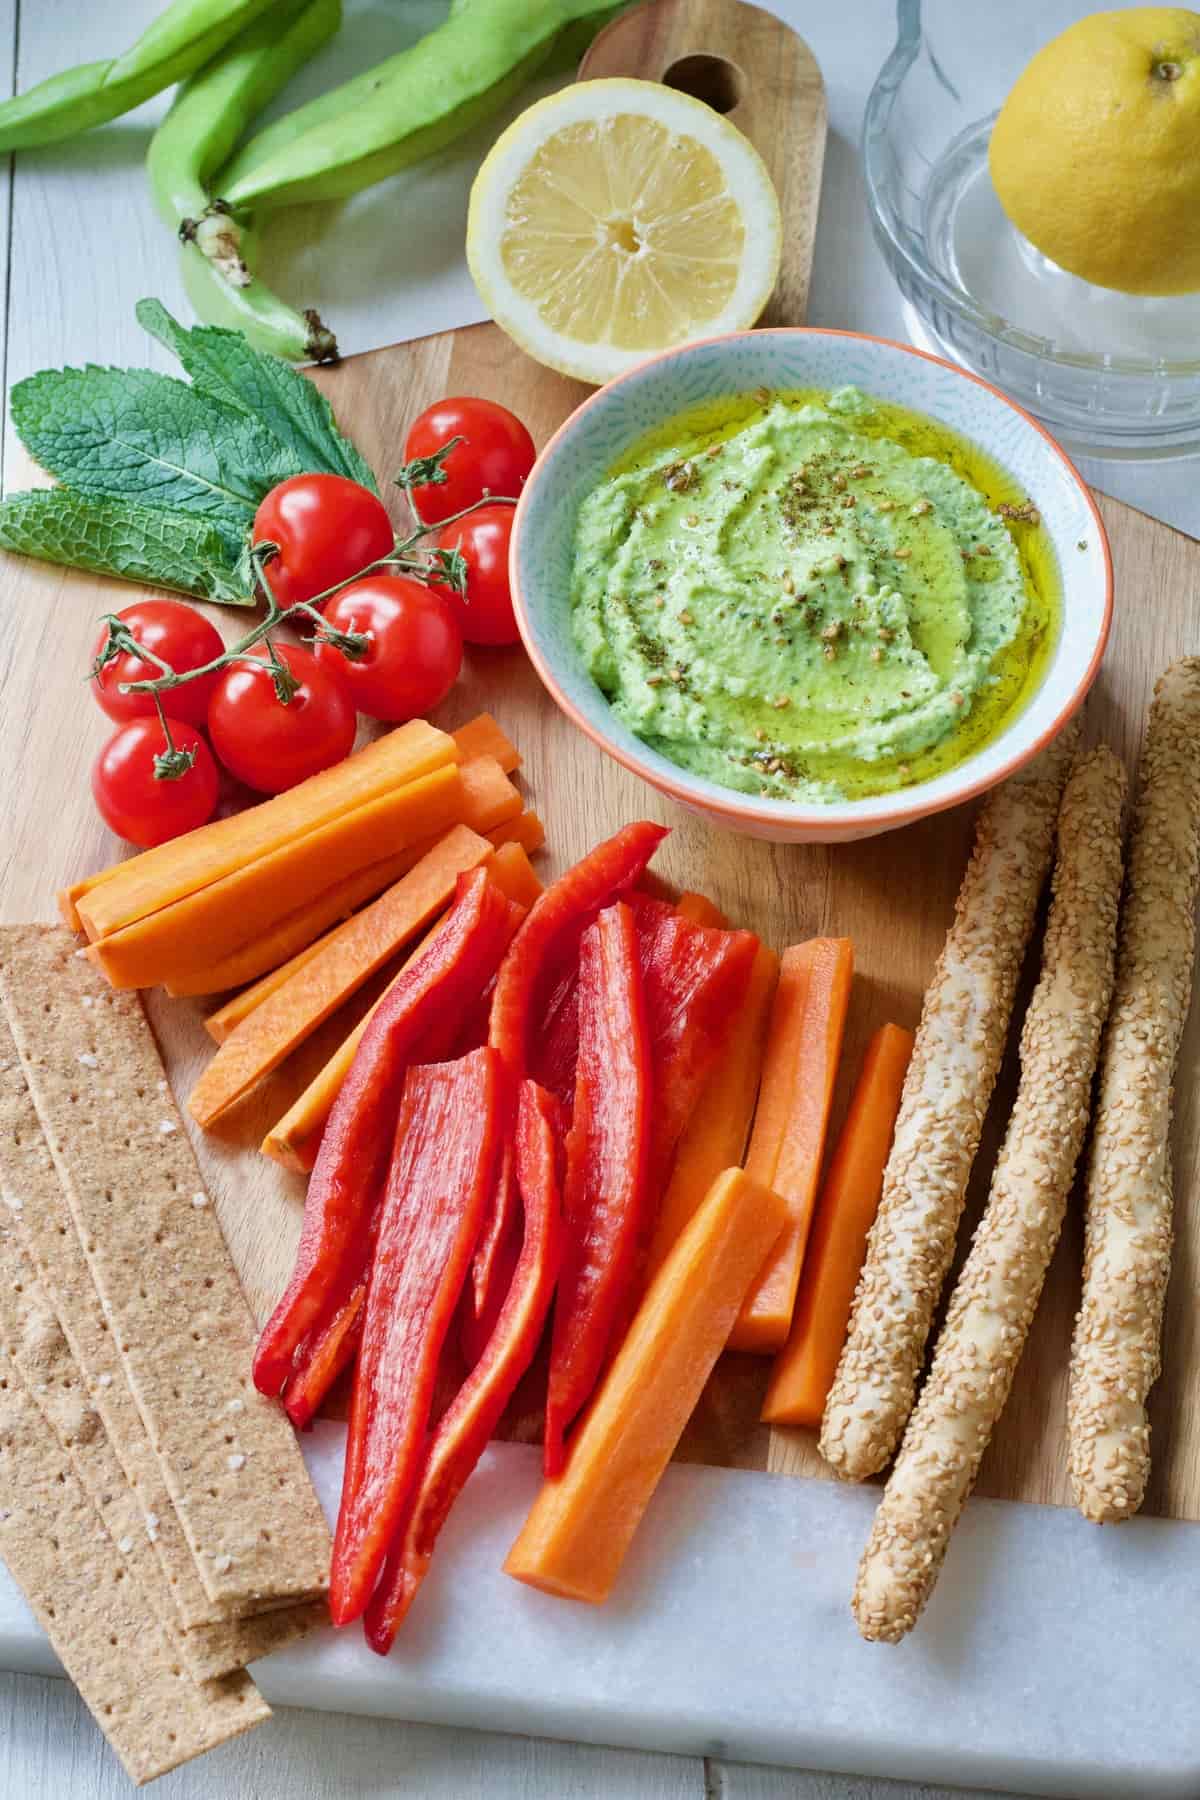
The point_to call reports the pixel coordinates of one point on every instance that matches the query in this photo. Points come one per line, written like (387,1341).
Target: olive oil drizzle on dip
(813,596)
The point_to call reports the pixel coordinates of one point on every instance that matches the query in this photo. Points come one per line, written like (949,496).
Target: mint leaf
(222,364)
(139,543)
(131,434)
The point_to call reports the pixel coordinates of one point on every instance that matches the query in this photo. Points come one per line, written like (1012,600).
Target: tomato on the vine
(485,611)
(327,528)
(495,456)
(413,651)
(141,806)
(177,633)
(271,746)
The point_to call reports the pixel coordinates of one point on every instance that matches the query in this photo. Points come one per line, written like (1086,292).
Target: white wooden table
(74,269)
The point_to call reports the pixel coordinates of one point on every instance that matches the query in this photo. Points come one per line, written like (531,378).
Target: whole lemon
(1095,155)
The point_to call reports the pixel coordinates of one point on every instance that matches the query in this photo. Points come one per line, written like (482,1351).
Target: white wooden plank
(85,239)
(51,1747)
(744,1781)
(8,66)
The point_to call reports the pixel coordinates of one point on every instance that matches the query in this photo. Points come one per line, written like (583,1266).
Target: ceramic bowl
(616,416)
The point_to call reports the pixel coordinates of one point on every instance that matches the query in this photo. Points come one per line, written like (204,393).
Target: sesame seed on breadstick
(960,1041)
(997,1293)
(1116,1355)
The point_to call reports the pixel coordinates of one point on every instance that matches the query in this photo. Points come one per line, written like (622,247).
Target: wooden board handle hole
(713,79)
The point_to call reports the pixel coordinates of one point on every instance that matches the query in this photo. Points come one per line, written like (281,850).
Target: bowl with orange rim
(778,543)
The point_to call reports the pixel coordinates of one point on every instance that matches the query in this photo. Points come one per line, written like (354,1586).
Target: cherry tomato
(270,746)
(414,651)
(485,611)
(179,634)
(142,807)
(495,456)
(327,529)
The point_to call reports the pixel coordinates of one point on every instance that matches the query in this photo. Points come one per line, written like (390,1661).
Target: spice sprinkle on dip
(816,597)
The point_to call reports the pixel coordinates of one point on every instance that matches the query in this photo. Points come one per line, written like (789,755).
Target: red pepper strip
(322,1360)
(344,1188)
(542,954)
(554,1051)
(470,1421)
(606,1190)
(549,935)
(447,1139)
(472,1029)
(495,1259)
(696,977)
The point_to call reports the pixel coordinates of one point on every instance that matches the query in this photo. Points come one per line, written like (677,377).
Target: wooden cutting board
(893,895)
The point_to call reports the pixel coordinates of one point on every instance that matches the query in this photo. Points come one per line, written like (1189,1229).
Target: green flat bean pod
(268,322)
(218,253)
(181,40)
(408,107)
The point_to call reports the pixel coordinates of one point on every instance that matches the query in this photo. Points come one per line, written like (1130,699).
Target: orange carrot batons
(581,1525)
(348,957)
(805,1367)
(803,1048)
(715,1136)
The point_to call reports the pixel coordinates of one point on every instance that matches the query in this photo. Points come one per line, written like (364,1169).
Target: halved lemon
(616,218)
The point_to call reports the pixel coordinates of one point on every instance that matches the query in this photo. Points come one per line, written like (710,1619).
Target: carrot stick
(489,797)
(701,911)
(346,958)
(575,1538)
(172,871)
(481,736)
(295,1139)
(715,1136)
(272,955)
(187,936)
(803,1047)
(486,793)
(478,737)
(805,1367)
(225,1021)
(511,869)
(526,829)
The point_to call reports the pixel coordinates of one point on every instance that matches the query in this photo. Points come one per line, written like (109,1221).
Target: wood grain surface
(893,895)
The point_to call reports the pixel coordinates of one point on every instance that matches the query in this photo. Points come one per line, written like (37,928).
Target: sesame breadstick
(996,1295)
(960,1041)
(1115,1356)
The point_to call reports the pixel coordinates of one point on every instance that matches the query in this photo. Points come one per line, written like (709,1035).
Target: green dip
(784,595)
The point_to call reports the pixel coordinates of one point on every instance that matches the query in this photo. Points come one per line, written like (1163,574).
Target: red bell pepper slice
(325,1354)
(447,1139)
(543,952)
(468,1424)
(606,1190)
(555,1048)
(343,1191)
(549,936)
(495,1259)
(696,978)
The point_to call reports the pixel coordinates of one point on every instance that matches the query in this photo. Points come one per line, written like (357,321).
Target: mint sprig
(160,548)
(161,477)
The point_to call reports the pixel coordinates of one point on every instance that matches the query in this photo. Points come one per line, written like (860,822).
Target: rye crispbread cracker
(34,1338)
(163,1272)
(47,1231)
(34,1218)
(79,1587)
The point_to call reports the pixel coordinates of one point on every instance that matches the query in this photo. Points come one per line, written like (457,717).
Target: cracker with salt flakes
(161,1267)
(94,1613)
(116,1461)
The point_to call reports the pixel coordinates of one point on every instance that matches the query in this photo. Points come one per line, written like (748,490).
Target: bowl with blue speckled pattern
(611,421)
